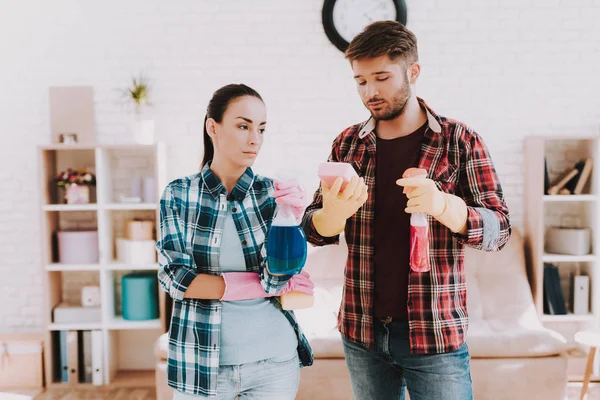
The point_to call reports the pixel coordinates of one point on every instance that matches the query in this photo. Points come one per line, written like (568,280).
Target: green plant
(138,92)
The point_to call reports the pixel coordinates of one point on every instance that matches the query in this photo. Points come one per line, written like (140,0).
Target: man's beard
(398,105)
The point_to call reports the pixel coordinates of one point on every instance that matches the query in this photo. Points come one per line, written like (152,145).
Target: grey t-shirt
(251,330)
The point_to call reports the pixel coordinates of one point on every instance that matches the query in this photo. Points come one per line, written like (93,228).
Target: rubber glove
(246,286)
(291,193)
(339,206)
(424,197)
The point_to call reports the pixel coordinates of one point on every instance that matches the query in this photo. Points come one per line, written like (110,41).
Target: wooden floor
(149,394)
(85,394)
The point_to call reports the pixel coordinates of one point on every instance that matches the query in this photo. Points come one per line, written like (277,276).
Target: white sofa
(512,356)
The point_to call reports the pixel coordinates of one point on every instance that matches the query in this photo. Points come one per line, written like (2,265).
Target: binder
(581,294)
(554,300)
(97,362)
(73,356)
(85,357)
(64,362)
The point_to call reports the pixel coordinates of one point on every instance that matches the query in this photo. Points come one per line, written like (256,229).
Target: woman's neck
(227,173)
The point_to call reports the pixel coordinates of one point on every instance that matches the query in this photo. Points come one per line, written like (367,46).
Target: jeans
(385,372)
(275,378)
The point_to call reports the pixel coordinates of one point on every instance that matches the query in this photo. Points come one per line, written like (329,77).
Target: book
(563,181)
(573,182)
(584,176)
(546,177)
(554,299)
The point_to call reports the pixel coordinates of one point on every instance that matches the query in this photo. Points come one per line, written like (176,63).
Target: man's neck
(411,119)
(228,174)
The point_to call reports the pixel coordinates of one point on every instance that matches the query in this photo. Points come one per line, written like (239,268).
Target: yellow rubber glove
(339,206)
(425,197)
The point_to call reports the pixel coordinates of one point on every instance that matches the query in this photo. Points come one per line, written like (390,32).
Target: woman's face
(237,139)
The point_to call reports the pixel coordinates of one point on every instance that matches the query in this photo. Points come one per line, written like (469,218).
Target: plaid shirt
(459,163)
(192,213)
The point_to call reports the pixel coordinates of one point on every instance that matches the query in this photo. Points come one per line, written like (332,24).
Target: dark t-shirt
(392,223)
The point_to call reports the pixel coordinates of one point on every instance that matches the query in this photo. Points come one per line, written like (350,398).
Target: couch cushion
(504,338)
(161,346)
(319,322)
(326,268)
(503,318)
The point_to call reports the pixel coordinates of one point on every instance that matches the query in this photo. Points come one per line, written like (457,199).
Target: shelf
(72,267)
(131,206)
(70,207)
(59,146)
(568,318)
(117,266)
(569,198)
(548,257)
(136,379)
(88,326)
(118,323)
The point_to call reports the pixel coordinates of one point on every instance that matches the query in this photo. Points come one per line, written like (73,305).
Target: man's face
(384,85)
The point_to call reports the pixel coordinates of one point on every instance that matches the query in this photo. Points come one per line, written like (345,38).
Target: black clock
(344,19)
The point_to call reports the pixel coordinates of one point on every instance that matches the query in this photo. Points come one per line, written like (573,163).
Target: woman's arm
(208,287)
(178,273)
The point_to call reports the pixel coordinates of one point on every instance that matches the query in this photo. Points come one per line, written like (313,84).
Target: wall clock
(344,19)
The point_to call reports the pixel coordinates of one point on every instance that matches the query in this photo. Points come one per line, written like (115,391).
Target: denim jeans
(275,378)
(385,372)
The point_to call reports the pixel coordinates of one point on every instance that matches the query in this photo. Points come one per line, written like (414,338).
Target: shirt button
(234,209)
(244,242)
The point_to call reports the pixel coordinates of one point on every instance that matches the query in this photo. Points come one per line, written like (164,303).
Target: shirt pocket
(446,177)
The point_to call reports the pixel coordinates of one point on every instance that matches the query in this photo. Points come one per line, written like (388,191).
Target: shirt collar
(214,186)
(432,118)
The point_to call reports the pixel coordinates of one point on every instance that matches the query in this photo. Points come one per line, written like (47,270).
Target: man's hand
(425,197)
(338,207)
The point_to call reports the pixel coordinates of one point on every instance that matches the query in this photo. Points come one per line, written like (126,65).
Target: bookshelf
(544,211)
(127,356)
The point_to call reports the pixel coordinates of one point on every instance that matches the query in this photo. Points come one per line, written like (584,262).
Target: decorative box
(572,241)
(136,252)
(78,247)
(140,296)
(21,361)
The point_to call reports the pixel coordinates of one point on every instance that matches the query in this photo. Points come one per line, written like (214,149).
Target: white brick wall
(508,68)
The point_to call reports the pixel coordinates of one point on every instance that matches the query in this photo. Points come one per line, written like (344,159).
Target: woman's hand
(291,193)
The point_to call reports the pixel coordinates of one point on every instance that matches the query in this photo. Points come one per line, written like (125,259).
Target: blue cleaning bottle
(286,244)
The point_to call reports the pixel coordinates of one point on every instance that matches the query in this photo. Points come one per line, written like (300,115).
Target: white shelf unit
(128,345)
(543,211)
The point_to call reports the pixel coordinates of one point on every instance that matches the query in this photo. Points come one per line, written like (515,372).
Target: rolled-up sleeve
(177,269)
(488,221)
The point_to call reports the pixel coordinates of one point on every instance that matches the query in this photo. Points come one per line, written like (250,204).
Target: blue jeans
(383,373)
(275,378)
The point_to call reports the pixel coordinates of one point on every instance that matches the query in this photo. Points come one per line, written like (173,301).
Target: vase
(77,194)
(142,127)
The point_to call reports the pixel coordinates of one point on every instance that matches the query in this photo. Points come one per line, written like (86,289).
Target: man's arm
(312,235)
(488,220)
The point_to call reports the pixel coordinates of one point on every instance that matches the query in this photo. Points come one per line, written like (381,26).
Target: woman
(213,227)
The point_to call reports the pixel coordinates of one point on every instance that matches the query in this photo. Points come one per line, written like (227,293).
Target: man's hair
(381,38)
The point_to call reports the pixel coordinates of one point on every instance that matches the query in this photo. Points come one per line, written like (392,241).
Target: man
(402,328)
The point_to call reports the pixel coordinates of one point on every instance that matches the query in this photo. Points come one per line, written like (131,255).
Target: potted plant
(142,126)
(77,185)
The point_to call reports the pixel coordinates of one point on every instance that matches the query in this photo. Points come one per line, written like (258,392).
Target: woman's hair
(216,108)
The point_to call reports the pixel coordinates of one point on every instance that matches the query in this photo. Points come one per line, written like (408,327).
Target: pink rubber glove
(299,283)
(291,193)
(246,286)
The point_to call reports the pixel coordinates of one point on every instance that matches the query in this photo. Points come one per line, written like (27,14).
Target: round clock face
(350,17)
